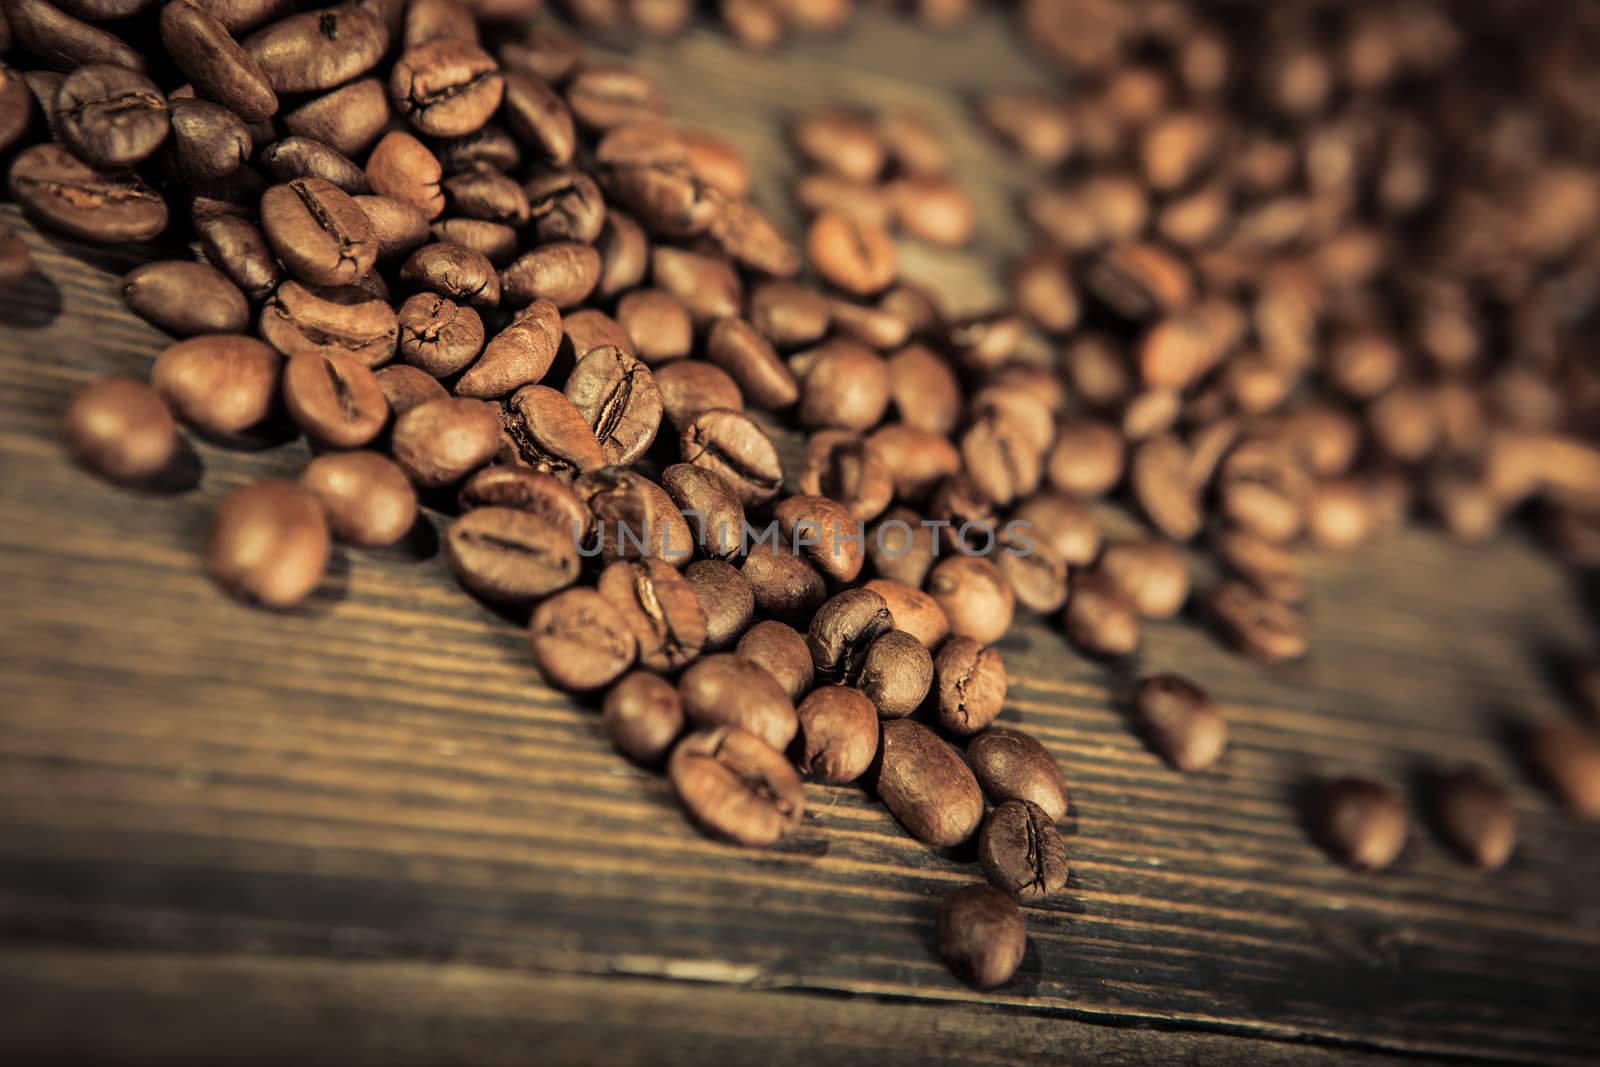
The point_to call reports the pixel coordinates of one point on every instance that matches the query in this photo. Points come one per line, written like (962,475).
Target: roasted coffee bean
(344,321)
(565,206)
(538,118)
(986,341)
(728,598)
(317,50)
(208,141)
(860,202)
(1263,490)
(1258,626)
(843,384)
(301,157)
(42,87)
(975,597)
(857,257)
(826,533)
(365,496)
(453,271)
(269,544)
(64,42)
(334,399)
(999,458)
(442,441)
(485,194)
(789,314)
(579,641)
(119,428)
(896,674)
(917,459)
(1140,281)
(320,233)
(967,521)
(839,465)
(661,607)
(1037,576)
(185,298)
(218,383)
(54,188)
(602,97)
(517,356)
(398,227)
(618,398)
(490,150)
(926,786)
(901,547)
(1044,290)
(401,168)
(510,556)
(643,717)
(1270,568)
(713,509)
(588,329)
(1160,475)
(691,387)
(634,517)
(914,611)
(706,285)
(433,20)
(782,652)
(1021,851)
(748,236)
(1012,765)
(624,254)
(657,325)
(1568,756)
(1065,527)
(543,50)
(446,87)
(16,102)
(348,119)
(407,387)
(550,433)
(872,326)
(736,785)
(843,630)
(730,444)
(439,335)
(734,345)
(933,209)
(562,273)
(219,68)
(1362,822)
(838,734)
(1153,575)
(840,142)
(971,680)
(1087,460)
(110,116)
(924,389)
(786,585)
(981,935)
(725,689)
(1100,619)
(495,242)
(716,162)
(522,489)
(1180,721)
(1475,814)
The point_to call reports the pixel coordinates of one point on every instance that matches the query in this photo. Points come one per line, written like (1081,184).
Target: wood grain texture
(212,815)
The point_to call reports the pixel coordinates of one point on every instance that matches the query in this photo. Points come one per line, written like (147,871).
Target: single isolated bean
(120,428)
(1568,755)
(972,681)
(981,935)
(269,544)
(365,495)
(1362,822)
(1475,813)
(1180,721)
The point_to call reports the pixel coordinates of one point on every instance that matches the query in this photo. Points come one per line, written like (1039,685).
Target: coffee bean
(1021,851)
(493,241)
(1043,287)
(716,162)
(442,441)
(724,689)
(49,33)
(1065,527)
(1568,756)
(1153,575)
(926,786)
(218,383)
(860,202)
(826,533)
(737,785)
(551,434)
(1087,460)
(1271,569)
(563,273)
(936,210)
(971,680)
(348,119)
(998,456)
(618,398)
(407,387)
(839,465)
(519,355)
(917,459)
(975,597)
(334,399)
(343,321)
(844,384)
(438,335)
(924,389)
(1013,765)
(734,345)
(318,50)
(302,157)
(896,674)
(914,611)
(643,717)
(872,326)
(565,206)
(579,641)
(110,116)
(398,227)
(634,517)
(661,607)
(1037,576)
(782,652)
(54,188)
(446,87)
(510,556)
(656,324)
(840,142)
(789,314)
(690,387)
(981,935)
(586,330)
(16,102)
(1258,626)
(857,257)
(269,544)
(401,168)
(838,734)
(706,285)
(602,97)
(903,549)
(433,20)
(1180,721)
(730,444)
(728,599)
(1362,822)
(364,495)
(624,255)
(538,118)
(1263,490)
(119,428)
(219,68)
(1100,619)
(1474,812)
(208,141)
(711,506)
(185,298)
(1163,486)
(843,630)
(786,586)
(320,233)
(454,271)
(543,50)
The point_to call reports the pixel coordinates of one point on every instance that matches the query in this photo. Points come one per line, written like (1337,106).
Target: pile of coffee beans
(1293,287)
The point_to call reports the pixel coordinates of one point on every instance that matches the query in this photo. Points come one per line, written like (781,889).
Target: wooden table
(365,832)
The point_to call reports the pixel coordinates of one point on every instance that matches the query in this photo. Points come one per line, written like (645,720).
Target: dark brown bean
(844,384)
(550,434)
(981,935)
(1100,619)
(401,168)
(446,87)
(1180,721)
(517,356)
(926,786)
(728,598)
(1362,822)
(730,444)
(662,608)
(1153,575)
(318,231)
(737,785)
(975,597)
(54,188)
(348,119)
(442,441)
(301,157)
(334,399)
(407,387)
(617,396)
(826,533)
(398,227)
(918,459)
(838,734)
(643,717)
(527,490)
(1474,812)
(220,69)
(1013,765)
(579,641)
(1021,851)
(365,496)
(119,428)
(839,465)
(218,383)
(1258,626)
(64,42)
(563,273)
(346,321)
(691,387)
(208,141)
(269,544)
(971,680)
(896,674)
(510,556)
(634,517)
(1568,756)
(843,630)
(734,345)
(538,118)
(454,271)
(185,298)
(725,689)
(110,116)
(786,586)
(438,335)
(317,50)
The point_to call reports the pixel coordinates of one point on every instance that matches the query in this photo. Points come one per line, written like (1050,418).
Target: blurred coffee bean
(1152,575)
(121,429)
(185,298)
(1258,626)
(1362,822)
(218,383)
(643,717)
(1180,721)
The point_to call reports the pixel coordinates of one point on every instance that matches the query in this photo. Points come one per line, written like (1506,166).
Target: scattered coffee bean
(218,383)
(825,532)
(455,271)
(1474,812)
(1258,626)
(706,285)
(662,608)
(550,433)
(439,442)
(445,87)
(1271,569)
(340,321)
(1100,619)
(843,384)
(1180,721)
(1013,765)
(407,387)
(926,786)
(735,784)
(56,189)
(690,387)
(111,116)
(215,63)
(1152,575)
(335,400)
(365,495)
(856,256)
(728,598)
(974,596)
(1362,822)
(120,428)
(522,489)
(617,396)
(269,544)
(1569,757)
(710,505)
(643,717)
(563,273)
(1021,851)
(1087,459)
(518,356)
(788,314)
(320,233)
(896,674)
(579,641)
(317,50)
(838,734)
(301,157)
(917,459)
(725,689)
(510,556)
(402,168)
(634,517)
(736,346)
(438,335)
(972,682)
(185,298)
